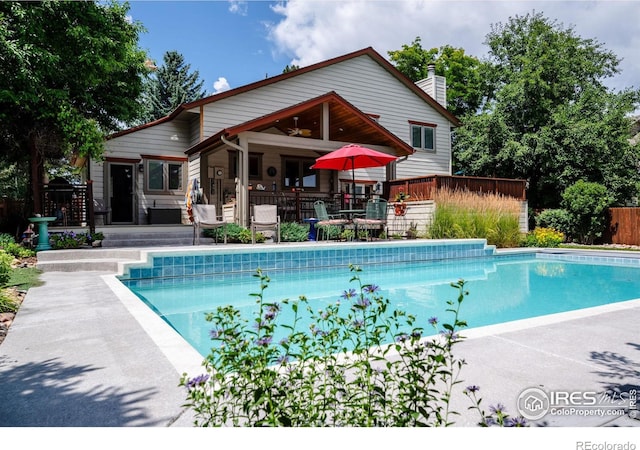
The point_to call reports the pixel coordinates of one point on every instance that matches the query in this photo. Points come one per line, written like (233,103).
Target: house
(262,138)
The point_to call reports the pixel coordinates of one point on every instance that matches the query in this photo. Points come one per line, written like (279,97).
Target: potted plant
(400,207)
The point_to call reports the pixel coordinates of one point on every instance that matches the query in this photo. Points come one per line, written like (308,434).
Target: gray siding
(362,82)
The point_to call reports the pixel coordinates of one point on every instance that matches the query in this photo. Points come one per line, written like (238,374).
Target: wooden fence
(624,226)
(424,188)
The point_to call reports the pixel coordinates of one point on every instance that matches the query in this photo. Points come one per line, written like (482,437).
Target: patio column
(242,180)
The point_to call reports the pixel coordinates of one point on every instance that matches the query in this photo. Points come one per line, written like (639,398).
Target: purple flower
(402,338)
(196,381)
(371,288)
(215,333)
(263,341)
(363,302)
(433,320)
(497,409)
(416,334)
(472,389)
(515,422)
(450,334)
(283,359)
(357,324)
(348,294)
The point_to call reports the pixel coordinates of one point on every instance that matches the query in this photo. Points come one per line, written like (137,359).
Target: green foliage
(67,240)
(543,237)
(294,232)
(70,72)
(465,82)
(558,219)
(5,267)
(587,205)
(339,372)
(171,85)
(548,117)
(8,244)
(235,234)
(330,232)
(6,238)
(25,278)
(7,304)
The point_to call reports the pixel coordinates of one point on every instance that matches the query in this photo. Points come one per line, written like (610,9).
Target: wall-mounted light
(141,167)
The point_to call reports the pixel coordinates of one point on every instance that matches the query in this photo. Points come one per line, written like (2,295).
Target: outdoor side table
(312,227)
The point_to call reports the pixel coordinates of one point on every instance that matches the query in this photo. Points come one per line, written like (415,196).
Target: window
(164,176)
(255,165)
(298,173)
(423,136)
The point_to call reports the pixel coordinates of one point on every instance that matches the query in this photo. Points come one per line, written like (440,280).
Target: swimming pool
(415,277)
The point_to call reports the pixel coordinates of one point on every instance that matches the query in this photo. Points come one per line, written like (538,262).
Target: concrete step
(87,259)
(85,265)
(150,238)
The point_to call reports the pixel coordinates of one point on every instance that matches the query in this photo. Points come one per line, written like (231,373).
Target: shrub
(463,214)
(5,267)
(543,237)
(335,373)
(17,250)
(66,240)
(586,204)
(558,219)
(294,232)
(235,234)
(6,238)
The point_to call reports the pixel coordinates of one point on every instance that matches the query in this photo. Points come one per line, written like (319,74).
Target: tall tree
(548,117)
(69,73)
(172,85)
(464,75)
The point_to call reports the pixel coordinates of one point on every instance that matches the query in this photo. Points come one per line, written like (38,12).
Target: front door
(121,188)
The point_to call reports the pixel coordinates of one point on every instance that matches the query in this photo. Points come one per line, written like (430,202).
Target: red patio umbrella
(353,156)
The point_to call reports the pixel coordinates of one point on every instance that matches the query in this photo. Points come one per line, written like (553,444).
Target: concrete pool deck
(82,353)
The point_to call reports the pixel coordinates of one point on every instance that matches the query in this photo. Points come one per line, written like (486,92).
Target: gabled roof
(347,124)
(369,51)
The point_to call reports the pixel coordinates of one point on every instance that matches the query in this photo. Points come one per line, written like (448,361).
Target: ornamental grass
(464,215)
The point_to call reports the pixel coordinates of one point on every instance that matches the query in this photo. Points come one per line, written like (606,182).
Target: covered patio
(268,160)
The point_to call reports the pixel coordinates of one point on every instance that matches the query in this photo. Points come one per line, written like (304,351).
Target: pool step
(89,259)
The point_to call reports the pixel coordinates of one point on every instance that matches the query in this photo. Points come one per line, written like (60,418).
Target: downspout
(241,187)
(391,168)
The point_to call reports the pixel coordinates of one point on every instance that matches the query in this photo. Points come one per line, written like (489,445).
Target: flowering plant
(401,196)
(339,372)
(67,239)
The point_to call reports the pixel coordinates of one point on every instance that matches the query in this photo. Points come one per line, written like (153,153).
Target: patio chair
(100,210)
(326,220)
(204,216)
(375,217)
(287,206)
(265,217)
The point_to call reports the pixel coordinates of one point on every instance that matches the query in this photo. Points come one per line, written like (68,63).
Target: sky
(233,43)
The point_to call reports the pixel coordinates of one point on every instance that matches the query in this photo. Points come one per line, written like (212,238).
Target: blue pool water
(501,289)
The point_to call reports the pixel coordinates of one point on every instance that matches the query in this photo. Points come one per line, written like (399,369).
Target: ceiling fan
(304,132)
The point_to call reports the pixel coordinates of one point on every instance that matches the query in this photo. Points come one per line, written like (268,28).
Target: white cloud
(221,85)
(311,31)
(238,7)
